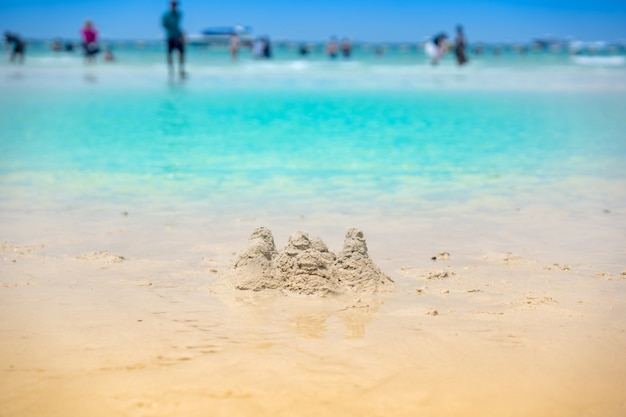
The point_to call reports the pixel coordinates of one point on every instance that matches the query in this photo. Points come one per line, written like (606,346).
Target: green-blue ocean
(386,134)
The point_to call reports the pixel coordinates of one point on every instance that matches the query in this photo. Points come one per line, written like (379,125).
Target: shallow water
(367,134)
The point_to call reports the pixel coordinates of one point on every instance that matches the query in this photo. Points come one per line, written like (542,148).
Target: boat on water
(227,30)
(220,34)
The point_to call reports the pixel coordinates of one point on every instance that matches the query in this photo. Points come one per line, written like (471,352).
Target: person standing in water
(108,54)
(460,46)
(331,48)
(175,39)
(18,46)
(234,46)
(436,47)
(90,41)
(346,48)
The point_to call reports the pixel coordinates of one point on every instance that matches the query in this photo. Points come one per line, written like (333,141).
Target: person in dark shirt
(459,46)
(18,46)
(346,48)
(175,39)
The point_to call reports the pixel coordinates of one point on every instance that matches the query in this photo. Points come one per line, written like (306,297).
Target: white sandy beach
(119,312)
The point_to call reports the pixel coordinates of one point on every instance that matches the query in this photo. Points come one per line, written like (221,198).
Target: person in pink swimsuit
(90,41)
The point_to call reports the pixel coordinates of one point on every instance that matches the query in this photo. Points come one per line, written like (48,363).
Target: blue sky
(390,20)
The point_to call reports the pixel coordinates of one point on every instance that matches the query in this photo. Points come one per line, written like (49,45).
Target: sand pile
(306,266)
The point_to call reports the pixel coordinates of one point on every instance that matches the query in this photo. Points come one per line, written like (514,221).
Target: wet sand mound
(254,265)
(306,266)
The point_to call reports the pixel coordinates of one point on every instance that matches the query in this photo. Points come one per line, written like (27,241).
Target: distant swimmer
(175,39)
(57,45)
(304,49)
(258,46)
(19,46)
(460,45)
(234,46)
(267,48)
(436,47)
(346,48)
(89,35)
(331,48)
(108,54)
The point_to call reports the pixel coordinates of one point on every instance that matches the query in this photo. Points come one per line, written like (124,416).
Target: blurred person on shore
(108,54)
(331,48)
(346,48)
(175,38)
(478,49)
(89,36)
(57,45)
(436,47)
(262,48)
(19,46)
(304,49)
(257,48)
(460,46)
(267,48)
(234,44)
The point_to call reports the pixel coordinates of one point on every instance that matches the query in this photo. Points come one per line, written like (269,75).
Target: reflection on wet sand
(358,315)
(330,317)
(309,326)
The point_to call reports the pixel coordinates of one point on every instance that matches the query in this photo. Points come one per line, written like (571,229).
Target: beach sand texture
(473,332)
(127,199)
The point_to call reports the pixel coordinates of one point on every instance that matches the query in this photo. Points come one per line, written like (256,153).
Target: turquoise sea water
(308,134)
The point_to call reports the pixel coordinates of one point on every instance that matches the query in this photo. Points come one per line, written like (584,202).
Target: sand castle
(306,266)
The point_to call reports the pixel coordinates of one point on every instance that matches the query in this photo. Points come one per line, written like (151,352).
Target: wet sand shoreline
(92,326)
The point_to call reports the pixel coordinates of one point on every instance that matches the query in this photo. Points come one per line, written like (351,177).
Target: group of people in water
(89,44)
(334,48)
(435,48)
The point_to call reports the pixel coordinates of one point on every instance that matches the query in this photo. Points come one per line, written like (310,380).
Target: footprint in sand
(441,256)
(440,275)
(103,256)
(604,275)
